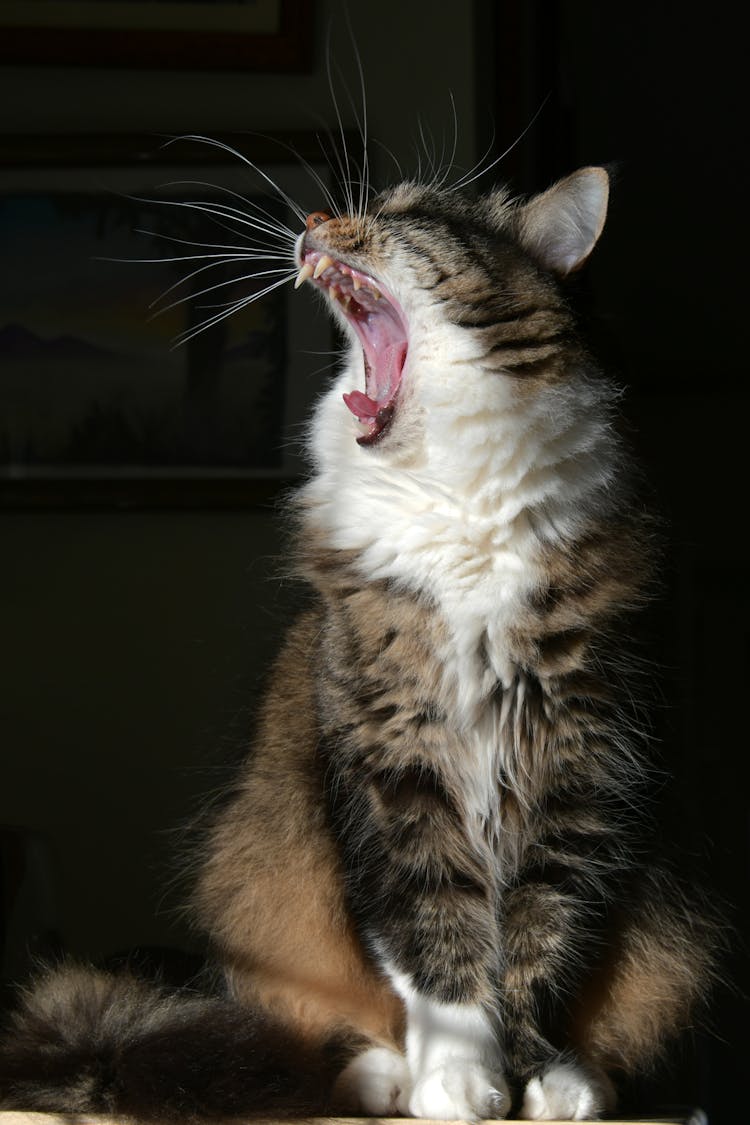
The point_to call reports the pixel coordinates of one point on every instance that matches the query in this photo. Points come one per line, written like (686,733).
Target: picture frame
(259,36)
(97,407)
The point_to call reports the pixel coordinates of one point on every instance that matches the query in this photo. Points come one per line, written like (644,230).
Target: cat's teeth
(304,273)
(376,293)
(344,299)
(356,281)
(322,266)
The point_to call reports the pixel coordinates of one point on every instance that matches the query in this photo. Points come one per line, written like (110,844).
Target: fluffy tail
(88,1042)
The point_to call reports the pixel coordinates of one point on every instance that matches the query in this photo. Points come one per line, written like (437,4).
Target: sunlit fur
(434,873)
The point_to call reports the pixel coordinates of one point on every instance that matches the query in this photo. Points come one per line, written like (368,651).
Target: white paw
(565,1093)
(459,1089)
(377,1083)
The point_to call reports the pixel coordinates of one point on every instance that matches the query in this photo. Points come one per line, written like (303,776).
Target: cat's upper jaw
(479,470)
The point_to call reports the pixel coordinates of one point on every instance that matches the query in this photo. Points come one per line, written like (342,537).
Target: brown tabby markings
(493,861)
(517,921)
(373,652)
(273,898)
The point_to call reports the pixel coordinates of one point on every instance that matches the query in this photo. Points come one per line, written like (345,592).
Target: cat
(430,892)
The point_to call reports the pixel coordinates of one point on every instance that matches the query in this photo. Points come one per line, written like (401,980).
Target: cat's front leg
(424,899)
(422,892)
(377,1082)
(567,1091)
(454,1058)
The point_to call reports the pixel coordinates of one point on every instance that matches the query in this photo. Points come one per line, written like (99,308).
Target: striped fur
(437,853)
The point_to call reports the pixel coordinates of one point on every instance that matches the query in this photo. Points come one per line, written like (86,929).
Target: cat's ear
(561,226)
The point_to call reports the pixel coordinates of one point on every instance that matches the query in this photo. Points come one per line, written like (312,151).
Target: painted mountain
(17,342)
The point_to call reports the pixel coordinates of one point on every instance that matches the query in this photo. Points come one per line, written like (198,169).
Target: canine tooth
(322,266)
(356,281)
(304,273)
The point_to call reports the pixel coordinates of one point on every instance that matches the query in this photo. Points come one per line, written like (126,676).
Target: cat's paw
(376,1083)
(459,1089)
(566,1093)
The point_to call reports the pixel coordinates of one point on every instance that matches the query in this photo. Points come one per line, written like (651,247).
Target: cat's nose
(315,219)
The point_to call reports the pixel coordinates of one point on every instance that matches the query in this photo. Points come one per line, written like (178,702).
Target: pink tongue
(360,405)
(383,378)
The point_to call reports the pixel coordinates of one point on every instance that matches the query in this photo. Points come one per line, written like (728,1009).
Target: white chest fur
(461,502)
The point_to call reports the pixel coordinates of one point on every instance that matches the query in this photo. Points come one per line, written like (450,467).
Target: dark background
(134,639)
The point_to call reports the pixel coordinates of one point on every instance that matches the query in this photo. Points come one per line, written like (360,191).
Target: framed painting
(139,360)
(251,35)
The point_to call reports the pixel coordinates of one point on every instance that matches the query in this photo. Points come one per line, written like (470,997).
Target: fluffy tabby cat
(429,893)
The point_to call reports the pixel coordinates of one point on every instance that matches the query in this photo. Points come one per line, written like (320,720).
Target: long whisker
(429,149)
(452,162)
(219,285)
(188,334)
(343,159)
(312,172)
(479,171)
(188,277)
(273,222)
(361,119)
(272,219)
(186,257)
(232,214)
(216,212)
(253,250)
(390,153)
(250,249)
(245,160)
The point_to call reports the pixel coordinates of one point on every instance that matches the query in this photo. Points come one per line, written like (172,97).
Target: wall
(405,80)
(133,641)
(652,91)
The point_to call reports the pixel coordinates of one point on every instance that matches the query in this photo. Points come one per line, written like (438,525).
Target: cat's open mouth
(381,327)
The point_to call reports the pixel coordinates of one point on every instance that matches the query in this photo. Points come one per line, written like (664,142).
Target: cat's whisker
(361,120)
(328,196)
(217,211)
(248,205)
(451,163)
(189,334)
(215,261)
(189,277)
(331,148)
(440,166)
(185,257)
(262,250)
(428,149)
(232,215)
(343,156)
(391,154)
(479,170)
(218,285)
(276,188)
